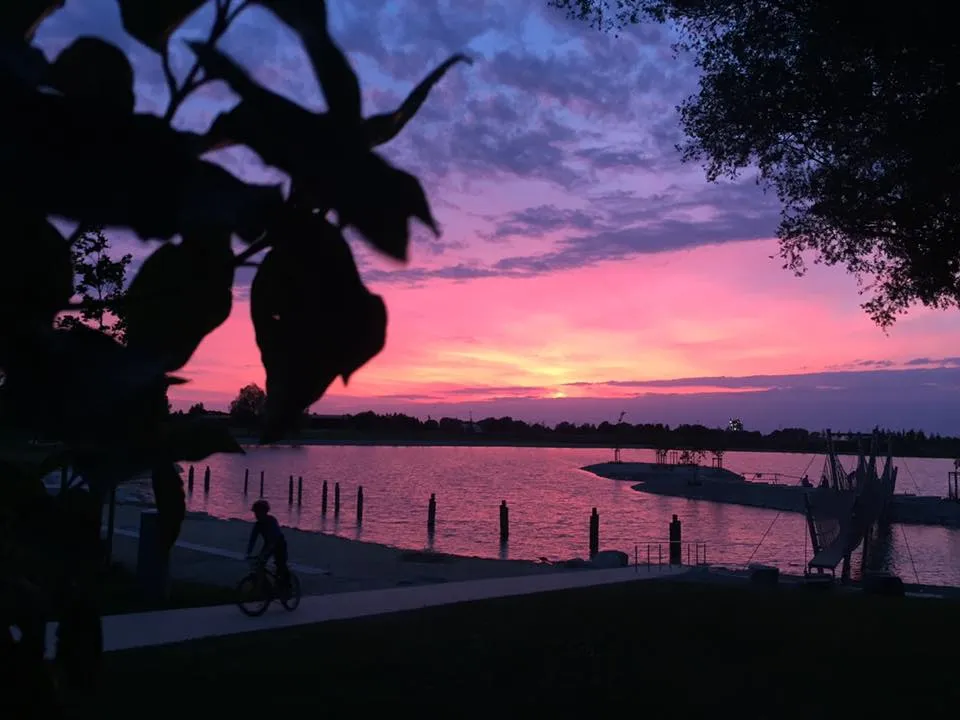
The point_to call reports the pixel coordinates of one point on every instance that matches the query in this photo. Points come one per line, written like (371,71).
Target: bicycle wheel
(254,595)
(291,601)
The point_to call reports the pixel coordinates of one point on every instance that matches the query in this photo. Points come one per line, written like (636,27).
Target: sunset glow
(581,263)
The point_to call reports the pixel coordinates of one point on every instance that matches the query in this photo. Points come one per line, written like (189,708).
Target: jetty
(673,477)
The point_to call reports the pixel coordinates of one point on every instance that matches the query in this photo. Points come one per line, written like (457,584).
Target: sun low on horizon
(583,269)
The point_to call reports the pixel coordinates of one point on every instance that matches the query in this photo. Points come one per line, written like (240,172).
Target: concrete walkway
(296,567)
(123,632)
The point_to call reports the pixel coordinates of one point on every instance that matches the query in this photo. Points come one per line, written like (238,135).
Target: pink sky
(577,248)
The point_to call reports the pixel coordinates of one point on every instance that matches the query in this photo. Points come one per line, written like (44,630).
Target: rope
(763,537)
(910,554)
(907,468)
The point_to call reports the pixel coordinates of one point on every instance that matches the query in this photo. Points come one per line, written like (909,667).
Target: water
(550,501)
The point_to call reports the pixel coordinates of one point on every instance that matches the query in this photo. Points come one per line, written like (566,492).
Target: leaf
(337,79)
(192,439)
(314,319)
(21,18)
(113,169)
(327,168)
(37,280)
(378,200)
(170,501)
(81,386)
(152,22)
(380,129)
(22,67)
(97,72)
(181,294)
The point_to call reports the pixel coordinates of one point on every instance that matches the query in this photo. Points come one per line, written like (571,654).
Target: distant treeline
(372,427)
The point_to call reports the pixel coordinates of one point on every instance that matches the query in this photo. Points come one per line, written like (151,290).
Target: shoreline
(340,564)
(250,441)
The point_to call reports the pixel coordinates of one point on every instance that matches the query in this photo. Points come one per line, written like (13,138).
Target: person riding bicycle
(274,543)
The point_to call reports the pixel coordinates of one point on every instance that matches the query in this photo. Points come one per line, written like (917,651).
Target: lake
(550,501)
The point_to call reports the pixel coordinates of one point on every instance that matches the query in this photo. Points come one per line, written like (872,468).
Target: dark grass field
(659,649)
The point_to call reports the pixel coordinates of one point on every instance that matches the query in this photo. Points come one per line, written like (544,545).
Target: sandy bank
(725,486)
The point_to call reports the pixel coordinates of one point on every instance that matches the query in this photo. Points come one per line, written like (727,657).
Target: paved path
(296,567)
(123,632)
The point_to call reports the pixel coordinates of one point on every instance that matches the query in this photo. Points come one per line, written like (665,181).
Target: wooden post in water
(360,505)
(504,521)
(299,490)
(261,483)
(206,480)
(290,492)
(676,545)
(336,499)
(594,533)
(323,499)
(432,514)
(246,480)
(190,479)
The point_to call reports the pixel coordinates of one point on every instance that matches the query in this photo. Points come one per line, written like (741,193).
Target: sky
(583,270)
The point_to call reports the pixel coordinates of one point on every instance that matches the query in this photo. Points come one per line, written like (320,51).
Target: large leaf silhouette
(95,72)
(153,22)
(82,386)
(20,18)
(314,319)
(366,191)
(181,294)
(39,282)
(114,169)
(379,129)
(337,79)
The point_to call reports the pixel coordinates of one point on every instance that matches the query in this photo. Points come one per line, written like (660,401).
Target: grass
(120,593)
(653,648)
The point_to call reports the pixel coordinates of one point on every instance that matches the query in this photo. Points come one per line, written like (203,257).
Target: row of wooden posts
(675,529)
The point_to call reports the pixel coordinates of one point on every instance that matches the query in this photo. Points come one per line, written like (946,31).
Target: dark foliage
(848,115)
(93,389)
(99,282)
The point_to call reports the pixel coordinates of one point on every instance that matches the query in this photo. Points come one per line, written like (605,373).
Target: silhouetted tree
(247,408)
(99,285)
(850,122)
(198,409)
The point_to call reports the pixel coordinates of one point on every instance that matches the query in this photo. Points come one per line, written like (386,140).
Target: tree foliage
(847,113)
(99,285)
(79,152)
(247,407)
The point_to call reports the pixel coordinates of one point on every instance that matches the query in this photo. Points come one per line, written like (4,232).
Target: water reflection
(550,500)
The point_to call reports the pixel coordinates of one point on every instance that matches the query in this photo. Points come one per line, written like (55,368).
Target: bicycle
(261,587)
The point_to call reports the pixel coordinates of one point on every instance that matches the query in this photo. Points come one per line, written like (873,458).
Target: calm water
(550,500)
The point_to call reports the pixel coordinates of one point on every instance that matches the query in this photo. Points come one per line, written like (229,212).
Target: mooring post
(323,499)
(299,490)
(190,479)
(206,480)
(360,505)
(594,533)
(504,521)
(246,480)
(336,499)
(676,544)
(290,492)
(261,483)
(432,514)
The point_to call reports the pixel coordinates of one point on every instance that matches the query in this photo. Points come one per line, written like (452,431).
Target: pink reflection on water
(550,501)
